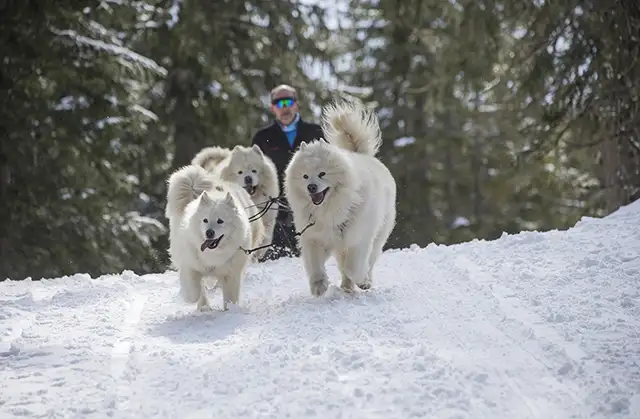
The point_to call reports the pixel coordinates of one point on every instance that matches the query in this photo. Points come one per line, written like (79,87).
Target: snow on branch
(116,50)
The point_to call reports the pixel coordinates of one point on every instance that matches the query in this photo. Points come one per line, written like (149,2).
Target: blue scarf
(290,130)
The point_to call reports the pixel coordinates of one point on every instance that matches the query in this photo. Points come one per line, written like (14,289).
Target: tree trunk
(185,127)
(614,193)
(476,170)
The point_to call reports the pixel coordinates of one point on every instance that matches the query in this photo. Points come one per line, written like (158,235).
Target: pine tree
(72,106)
(577,70)
(434,69)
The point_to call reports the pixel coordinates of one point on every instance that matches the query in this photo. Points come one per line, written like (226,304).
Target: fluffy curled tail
(185,185)
(351,126)
(210,157)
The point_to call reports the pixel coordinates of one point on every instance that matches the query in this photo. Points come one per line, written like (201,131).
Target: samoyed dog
(209,229)
(251,169)
(346,192)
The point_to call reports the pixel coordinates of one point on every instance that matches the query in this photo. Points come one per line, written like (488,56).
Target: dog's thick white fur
(209,228)
(347,192)
(251,169)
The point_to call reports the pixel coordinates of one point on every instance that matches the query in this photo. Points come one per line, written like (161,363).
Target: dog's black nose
(312,188)
(248,180)
(210,233)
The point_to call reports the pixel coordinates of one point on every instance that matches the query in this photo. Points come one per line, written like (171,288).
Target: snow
(460,222)
(174,12)
(126,54)
(404,141)
(533,325)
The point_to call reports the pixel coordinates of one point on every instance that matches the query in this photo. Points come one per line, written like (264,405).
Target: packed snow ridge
(532,325)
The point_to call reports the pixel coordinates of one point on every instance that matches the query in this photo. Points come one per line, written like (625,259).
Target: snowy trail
(535,325)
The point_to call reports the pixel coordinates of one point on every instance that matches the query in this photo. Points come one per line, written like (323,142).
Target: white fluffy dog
(209,230)
(347,193)
(251,169)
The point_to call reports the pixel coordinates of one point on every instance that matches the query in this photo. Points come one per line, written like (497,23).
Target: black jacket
(274,143)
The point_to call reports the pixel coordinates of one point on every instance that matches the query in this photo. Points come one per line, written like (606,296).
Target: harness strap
(249,251)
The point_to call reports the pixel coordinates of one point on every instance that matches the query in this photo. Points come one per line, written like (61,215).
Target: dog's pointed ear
(257,149)
(205,198)
(236,149)
(303,145)
(229,199)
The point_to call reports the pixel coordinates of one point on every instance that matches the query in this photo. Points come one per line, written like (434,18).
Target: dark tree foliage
(498,116)
(70,108)
(453,134)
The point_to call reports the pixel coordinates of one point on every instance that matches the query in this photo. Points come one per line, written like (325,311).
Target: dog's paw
(365,285)
(319,287)
(346,285)
(203,305)
(204,308)
(231,306)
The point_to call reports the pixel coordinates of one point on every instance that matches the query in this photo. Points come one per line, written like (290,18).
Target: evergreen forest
(497,115)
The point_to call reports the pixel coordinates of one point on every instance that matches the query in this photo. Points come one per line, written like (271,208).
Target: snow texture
(533,325)
(126,54)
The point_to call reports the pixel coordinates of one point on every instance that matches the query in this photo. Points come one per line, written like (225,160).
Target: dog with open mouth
(250,168)
(348,193)
(209,229)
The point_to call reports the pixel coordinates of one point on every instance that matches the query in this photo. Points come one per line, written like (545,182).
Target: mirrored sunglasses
(283,102)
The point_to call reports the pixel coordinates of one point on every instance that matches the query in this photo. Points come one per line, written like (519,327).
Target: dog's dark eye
(254,171)
(220,221)
(321,174)
(239,172)
(205,221)
(305,176)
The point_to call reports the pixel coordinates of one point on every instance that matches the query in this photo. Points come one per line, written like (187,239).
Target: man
(279,141)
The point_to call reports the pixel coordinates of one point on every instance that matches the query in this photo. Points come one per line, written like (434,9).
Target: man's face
(284,106)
